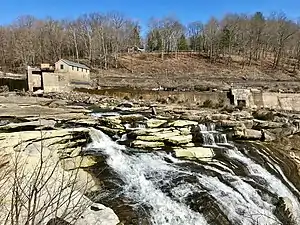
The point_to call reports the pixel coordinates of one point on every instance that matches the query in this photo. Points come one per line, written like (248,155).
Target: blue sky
(185,10)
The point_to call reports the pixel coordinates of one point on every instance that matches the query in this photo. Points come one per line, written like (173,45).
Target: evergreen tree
(182,43)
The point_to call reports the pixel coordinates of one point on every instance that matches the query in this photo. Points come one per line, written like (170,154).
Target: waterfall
(164,186)
(210,136)
(133,170)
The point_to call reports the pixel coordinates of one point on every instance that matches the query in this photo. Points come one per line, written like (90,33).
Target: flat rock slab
(201,153)
(147,144)
(36,123)
(182,123)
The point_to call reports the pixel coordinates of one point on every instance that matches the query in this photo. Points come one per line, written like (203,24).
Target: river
(234,188)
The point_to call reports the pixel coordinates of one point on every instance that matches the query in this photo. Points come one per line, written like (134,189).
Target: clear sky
(142,10)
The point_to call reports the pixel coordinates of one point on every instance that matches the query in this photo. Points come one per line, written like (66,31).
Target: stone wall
(216,98)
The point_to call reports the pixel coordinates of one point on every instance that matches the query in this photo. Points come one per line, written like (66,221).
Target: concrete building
(77,71)
(63,76)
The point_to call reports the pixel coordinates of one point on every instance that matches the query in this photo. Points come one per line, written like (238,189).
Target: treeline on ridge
(98,39)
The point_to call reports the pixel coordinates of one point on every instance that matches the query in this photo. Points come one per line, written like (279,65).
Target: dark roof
(70,63)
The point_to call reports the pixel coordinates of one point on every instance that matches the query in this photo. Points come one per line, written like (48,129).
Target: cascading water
(133,171)
(210,136)
(167,188)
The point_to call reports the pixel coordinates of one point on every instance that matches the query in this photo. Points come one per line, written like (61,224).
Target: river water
(232,189)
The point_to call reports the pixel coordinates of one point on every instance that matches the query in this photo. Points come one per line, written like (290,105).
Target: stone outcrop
(57,155)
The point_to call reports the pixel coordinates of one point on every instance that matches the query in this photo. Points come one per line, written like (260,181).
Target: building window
(72,67)
(81,69)
(61,66)
(77,69)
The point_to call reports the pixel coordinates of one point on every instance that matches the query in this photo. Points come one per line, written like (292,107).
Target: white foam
(273,184)
(133,170)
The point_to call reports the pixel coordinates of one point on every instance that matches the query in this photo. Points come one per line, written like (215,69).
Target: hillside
(191,71)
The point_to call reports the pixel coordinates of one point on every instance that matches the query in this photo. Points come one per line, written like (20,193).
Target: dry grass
(185,70)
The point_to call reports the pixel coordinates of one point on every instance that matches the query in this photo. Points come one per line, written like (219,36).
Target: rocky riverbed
(65,126)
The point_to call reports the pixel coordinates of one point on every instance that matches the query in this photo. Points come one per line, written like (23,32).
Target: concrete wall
(282,101)
(242,95)
(34,79)
(271,100)
(56,82)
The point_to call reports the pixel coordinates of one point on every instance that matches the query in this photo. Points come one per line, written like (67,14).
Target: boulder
(131,118)
(84,122)
(125,105)
(182,123)
(247,134)
(184,131)
(147,144)
(229,123)
(219,116)
(242,115)
(58,103)
(264,114)
(250,134)
(154,123)
(143,132)
(163,135)
(179,140)
(200,153)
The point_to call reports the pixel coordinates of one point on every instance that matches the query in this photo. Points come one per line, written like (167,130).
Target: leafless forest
(98,39)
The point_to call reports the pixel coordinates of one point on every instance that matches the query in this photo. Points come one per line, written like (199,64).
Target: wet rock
(284,209)
(197,137)
(147,144)
(201,153)
(110,131)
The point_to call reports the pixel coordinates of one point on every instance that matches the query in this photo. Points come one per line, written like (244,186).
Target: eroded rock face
(57,155)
